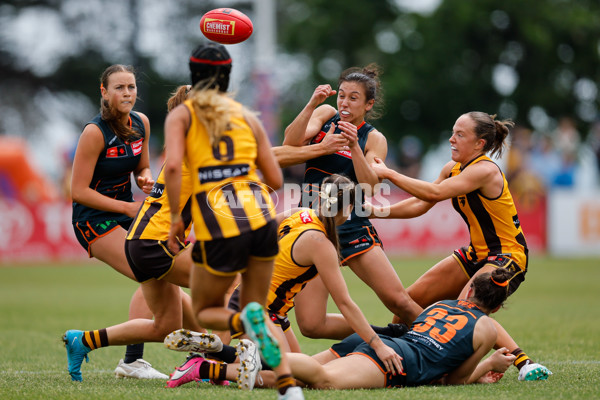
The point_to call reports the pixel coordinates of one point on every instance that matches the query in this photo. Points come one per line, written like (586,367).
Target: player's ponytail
(214,110)
(492,288)
(178,96)
(492,131)
(336,194)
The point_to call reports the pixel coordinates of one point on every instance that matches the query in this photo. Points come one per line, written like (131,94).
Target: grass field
(555,317)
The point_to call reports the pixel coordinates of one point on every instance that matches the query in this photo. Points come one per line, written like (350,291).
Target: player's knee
(310,329)
(400,303)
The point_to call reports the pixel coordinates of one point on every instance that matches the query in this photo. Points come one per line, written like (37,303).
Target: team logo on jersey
(462,200)
(117,151)
(305,217)
(136,146)
(516,221)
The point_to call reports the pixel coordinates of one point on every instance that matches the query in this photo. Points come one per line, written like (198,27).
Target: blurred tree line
(532,61)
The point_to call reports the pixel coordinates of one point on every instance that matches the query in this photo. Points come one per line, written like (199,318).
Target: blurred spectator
(409,157)
(544,159)
(566,141)
(593,140)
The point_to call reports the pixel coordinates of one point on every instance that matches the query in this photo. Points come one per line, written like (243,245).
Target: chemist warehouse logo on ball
(242,200)
(219,26)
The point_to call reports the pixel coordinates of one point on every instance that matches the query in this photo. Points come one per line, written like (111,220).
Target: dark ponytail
(492,288)
(492,131)
(336,193)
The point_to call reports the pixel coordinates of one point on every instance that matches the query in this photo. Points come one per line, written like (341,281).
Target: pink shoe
(188,371)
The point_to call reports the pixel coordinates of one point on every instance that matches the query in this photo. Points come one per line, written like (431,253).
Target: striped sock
(235,324)
(95,339)
(284,382)
(522,358)
(213,370)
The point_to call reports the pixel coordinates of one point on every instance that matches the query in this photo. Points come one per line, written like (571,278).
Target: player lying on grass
(446,345)
(480,194)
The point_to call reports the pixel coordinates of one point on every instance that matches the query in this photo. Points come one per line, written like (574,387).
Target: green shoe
(253,318)
(534,372)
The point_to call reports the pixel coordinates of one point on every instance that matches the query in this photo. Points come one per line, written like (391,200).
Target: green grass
(554,316)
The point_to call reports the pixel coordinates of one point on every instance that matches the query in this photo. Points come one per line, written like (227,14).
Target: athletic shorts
(357,240)
(150,259)
(88,232)
(353,344)
(500,261)
(227,257)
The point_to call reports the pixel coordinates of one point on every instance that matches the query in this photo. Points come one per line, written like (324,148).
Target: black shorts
(357,240)
(229,256)
(87,232)
(353,344)
(150,259)
(499,261)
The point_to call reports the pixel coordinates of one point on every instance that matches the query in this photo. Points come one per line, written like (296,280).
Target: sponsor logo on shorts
(361,241)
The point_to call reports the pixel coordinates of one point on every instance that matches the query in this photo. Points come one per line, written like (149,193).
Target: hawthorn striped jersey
(228,196)
(289,277)
(493,224)
(153,220)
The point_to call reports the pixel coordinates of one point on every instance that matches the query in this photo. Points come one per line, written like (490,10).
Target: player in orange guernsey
(480,194)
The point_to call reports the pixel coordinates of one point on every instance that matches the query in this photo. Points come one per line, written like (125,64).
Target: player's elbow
(172,168)
(432,196)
